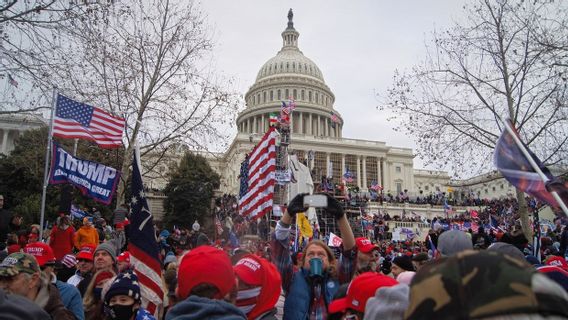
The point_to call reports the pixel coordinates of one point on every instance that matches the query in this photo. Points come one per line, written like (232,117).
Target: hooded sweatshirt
(197,308)
(61,241)
(86,235)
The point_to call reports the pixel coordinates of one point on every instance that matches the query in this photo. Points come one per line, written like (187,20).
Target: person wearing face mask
(61,238)
(122,300)
(310,289)
(259,287)
(92,301)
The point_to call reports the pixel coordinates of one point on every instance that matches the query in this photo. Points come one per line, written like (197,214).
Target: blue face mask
(97,293)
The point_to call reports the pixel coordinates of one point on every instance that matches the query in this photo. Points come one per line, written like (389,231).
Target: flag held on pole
(79,120)
(258,178)
(143,247)
(526,174)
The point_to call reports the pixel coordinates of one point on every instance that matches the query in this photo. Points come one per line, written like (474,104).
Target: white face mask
(246,299)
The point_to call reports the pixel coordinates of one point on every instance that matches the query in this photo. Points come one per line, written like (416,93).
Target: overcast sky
(356,44)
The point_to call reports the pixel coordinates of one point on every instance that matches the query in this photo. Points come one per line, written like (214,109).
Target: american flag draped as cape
(143,247)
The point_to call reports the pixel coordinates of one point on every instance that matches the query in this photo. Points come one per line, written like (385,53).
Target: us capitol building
(314,136)
(290,74)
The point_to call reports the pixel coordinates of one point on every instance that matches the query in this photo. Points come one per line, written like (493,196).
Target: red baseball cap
(365,245)
(123,257)
(42,252)
(14,248)
(558,262)
(259,272)
(205,264)
(87,252)
(360,290)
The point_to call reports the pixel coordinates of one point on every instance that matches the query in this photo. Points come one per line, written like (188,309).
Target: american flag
(78,120)
(259,178)
(334,118)
(244,177)
(143,247)
(218,226)
(348,176)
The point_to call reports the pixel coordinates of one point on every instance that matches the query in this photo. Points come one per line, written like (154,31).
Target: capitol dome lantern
(291,75)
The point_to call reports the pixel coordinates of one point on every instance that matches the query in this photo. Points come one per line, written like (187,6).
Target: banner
(93,179)
(77,213)
(283,176)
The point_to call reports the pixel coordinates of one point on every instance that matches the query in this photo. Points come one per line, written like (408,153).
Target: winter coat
(49,299)
(61,241)
(197,308)
(71,298)
(86,235)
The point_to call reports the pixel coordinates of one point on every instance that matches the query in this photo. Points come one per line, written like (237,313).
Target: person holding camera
(310,289)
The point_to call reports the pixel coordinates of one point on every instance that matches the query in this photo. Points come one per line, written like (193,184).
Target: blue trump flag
(95,180)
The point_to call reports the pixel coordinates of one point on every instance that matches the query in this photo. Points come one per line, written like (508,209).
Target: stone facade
(12,125)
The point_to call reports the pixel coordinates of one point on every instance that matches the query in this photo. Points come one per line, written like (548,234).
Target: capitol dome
(291,75)
(289,61)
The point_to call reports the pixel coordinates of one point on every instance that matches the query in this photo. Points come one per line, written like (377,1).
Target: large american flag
(260,178)
(78,120)
(143,247)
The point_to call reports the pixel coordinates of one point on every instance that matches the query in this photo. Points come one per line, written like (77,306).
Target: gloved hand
(334,207)
(296,205)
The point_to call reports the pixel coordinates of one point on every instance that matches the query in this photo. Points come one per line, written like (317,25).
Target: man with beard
(20,274)
(367,256)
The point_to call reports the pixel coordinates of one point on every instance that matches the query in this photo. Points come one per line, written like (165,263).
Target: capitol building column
(301,123)
(262,124)
(310,126)
(365,173)
(327,168)
(379,180)
(342,165)
(359,171)
(5,133)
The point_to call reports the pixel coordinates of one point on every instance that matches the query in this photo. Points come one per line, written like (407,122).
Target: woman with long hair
(92,301)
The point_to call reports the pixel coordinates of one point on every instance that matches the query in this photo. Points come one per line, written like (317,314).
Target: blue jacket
(298,299)
(197,308)
(71,298)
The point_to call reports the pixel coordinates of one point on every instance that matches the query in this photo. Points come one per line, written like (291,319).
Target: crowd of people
(248,269)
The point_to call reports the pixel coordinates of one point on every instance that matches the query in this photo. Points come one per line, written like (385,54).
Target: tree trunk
(524,213)
(125,171)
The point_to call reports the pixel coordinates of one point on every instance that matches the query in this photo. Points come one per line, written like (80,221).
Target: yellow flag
(304,225)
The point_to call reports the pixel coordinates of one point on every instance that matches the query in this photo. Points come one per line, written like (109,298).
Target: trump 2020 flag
(517,169)
(79,120)
(143,247)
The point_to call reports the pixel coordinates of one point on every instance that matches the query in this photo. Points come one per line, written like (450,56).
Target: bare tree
(493,65)
(144,60)
(28,30)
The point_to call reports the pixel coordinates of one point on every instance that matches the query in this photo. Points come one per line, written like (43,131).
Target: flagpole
(535,166)
(46,167)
